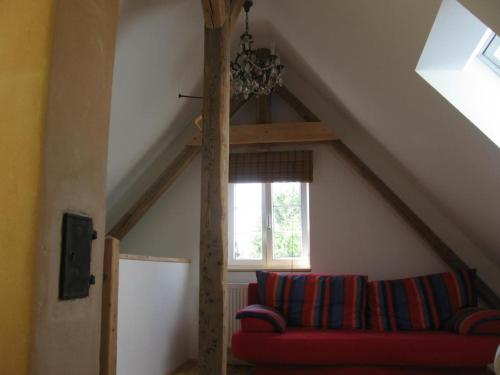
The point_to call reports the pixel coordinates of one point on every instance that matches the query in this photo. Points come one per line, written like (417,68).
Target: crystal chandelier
(255,72)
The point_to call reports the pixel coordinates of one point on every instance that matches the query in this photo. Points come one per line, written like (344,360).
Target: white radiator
(236,300)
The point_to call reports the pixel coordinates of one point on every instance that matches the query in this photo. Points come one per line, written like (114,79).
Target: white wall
(353,230)
(171,228)
(393,173)
(154,315)
(424,149)
(159,53)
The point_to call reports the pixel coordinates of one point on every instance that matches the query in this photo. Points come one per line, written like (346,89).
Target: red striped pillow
(419,303)
(318,301)
(475,321)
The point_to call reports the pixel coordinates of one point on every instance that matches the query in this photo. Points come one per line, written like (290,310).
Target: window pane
(248,195)
(247,221)
(248,246)
(287,245)
(286,193)
(287,220)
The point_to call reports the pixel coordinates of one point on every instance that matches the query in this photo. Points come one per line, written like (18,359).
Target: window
(461,61)
(268,225)
(491,54)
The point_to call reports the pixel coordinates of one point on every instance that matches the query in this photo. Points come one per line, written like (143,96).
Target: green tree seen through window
(287,223)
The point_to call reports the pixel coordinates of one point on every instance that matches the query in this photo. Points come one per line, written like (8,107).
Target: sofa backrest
(418,303)
(253,293)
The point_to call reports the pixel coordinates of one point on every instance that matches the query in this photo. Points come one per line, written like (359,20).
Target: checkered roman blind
(282,166)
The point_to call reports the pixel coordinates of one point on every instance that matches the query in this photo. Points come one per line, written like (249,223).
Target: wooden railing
(109,311)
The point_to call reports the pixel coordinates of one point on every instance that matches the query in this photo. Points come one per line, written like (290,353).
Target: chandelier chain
(246,21)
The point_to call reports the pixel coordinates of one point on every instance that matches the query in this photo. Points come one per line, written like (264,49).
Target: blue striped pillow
(419,303)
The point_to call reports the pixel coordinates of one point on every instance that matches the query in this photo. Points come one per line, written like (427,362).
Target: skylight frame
(458,72)
(487,54)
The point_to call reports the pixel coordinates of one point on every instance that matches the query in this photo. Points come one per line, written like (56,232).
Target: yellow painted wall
(25,46)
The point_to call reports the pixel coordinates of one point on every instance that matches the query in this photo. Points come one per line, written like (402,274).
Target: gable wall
(353,230)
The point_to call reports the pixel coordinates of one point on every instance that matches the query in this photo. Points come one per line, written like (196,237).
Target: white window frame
(267,261)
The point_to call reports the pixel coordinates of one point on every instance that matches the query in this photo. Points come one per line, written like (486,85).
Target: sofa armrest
(260,318)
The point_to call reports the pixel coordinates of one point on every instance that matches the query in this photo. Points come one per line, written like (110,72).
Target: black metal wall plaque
(77,235)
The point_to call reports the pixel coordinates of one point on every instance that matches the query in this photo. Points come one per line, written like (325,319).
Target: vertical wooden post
(214,180)
(109,315)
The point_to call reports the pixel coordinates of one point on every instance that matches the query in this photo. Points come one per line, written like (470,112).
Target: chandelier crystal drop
(254,72)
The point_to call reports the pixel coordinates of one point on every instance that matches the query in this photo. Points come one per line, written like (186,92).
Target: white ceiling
(362,52)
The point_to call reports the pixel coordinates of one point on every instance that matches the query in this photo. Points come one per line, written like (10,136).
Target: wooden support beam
(263,108)
(214,13)
(444,252)
(299,132)
(151,195)
(212,342)
(296,104)
(109,308)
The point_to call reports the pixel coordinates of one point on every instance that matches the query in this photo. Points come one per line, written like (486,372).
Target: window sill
(270,269)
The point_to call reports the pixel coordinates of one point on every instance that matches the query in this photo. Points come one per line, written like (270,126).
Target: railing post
(109,312)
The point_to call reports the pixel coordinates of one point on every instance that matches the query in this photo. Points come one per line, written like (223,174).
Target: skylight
(491,54)
(461,60)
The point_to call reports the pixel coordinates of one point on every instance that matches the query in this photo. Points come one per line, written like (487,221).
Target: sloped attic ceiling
(362,53)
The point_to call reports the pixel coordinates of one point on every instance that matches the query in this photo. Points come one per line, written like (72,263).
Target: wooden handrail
(150,258)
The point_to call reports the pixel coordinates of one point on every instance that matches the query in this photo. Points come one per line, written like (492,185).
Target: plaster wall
(404,132)
(448,159)
(353,230)
(421,146)
(25,40)
(171,227)
(67,333)
(487,11)
(152,304)
(396,177)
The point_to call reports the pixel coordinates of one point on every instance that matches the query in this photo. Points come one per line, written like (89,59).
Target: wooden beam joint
(276,133)
(214,12)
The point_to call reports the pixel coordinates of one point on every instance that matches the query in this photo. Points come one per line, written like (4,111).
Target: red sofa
(314,352)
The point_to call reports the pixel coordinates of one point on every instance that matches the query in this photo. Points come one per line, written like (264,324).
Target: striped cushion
(261,318)
(419,303)
(318,301)
(475,321)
